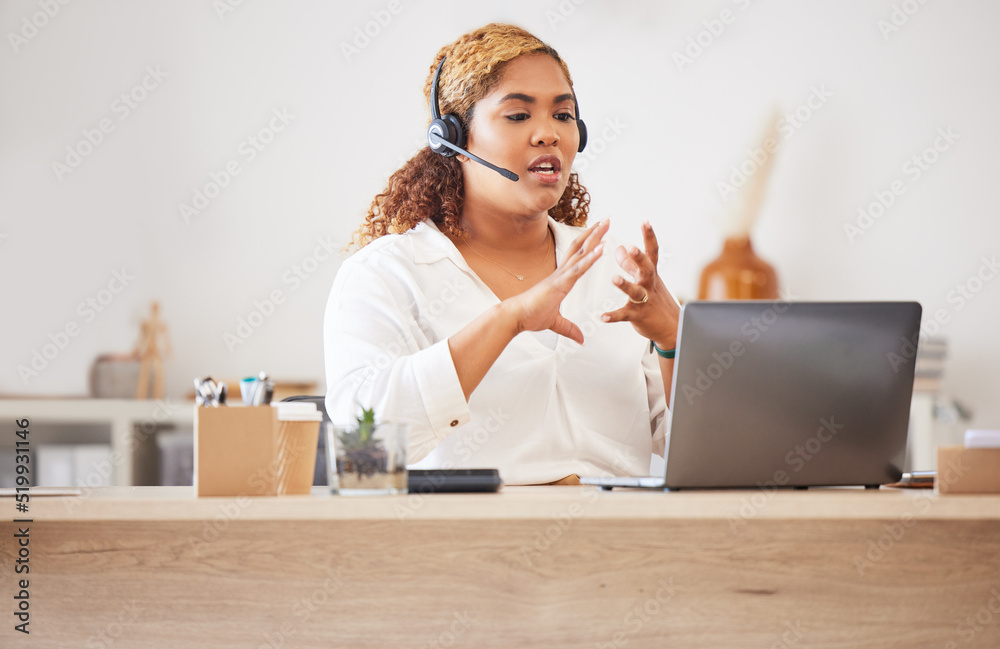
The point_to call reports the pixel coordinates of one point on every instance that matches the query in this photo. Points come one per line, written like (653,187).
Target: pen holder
(254,451)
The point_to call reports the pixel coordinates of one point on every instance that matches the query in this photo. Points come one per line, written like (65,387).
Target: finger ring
(645,296)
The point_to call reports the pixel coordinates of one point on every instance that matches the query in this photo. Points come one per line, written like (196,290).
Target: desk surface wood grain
(180,503)
(533,567)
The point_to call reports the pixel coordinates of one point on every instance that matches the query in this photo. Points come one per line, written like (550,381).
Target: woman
(480,312)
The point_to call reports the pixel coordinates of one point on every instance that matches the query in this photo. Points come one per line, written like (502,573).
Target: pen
(257,391)
(208,393)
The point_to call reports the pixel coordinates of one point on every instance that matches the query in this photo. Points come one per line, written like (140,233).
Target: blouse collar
(431,245)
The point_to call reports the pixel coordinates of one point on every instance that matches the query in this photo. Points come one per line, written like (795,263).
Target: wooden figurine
(153,345)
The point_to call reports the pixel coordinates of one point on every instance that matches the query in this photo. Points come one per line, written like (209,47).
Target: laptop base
(653,482)
(644,482)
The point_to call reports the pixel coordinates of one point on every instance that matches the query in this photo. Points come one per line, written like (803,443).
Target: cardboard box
(963,470)
(233,448)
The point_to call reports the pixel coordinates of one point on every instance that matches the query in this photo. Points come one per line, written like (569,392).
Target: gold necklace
(519,276)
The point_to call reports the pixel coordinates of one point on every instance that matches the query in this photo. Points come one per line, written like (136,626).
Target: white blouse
(547,408)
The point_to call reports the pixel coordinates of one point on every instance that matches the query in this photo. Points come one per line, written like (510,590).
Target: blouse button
(454,422)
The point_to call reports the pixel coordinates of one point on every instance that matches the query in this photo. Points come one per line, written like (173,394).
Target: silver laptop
(788,394)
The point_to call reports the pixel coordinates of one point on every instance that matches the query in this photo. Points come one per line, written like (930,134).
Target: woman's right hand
(537,309)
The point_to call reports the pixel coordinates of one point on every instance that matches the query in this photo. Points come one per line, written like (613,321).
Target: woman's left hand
(650,308)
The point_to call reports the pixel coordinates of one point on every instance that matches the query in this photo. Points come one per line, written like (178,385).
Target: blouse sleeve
(378,357)
(657,403)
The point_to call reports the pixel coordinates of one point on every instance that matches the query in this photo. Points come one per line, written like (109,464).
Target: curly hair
(430,186)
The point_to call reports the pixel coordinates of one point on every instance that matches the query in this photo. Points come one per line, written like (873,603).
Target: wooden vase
(738,274)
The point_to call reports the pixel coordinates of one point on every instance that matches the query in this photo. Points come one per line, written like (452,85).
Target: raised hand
(537,308)
(650,308)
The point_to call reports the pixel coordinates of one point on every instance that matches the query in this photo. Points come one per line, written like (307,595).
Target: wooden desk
(548,567)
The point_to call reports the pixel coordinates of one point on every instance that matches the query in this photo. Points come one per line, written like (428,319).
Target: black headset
(446,135)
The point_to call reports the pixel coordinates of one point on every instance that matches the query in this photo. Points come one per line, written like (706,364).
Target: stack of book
(923,440)
(176,458)
(931,356)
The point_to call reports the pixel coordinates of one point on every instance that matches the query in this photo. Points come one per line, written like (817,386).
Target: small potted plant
(370,456)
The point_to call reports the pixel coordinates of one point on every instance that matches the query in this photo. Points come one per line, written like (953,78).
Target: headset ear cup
(457,130)
(448,128)
(439,127)
(583,135)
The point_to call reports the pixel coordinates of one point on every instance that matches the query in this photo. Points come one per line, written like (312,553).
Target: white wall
(355,121)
